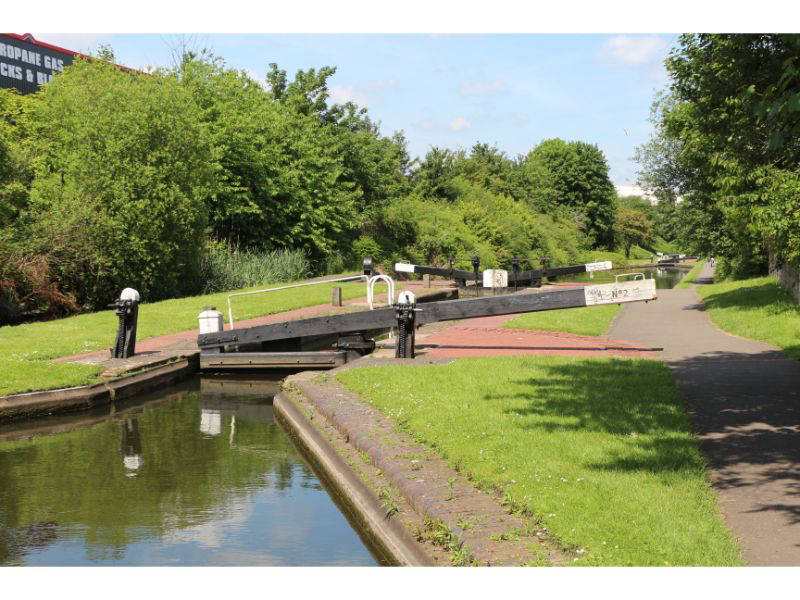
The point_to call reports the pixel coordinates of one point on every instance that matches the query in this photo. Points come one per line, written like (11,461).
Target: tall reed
(226,268)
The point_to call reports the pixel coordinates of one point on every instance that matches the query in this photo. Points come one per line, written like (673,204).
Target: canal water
(666,277)
(198,474)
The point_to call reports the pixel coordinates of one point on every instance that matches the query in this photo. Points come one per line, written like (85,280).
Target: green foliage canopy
(727,141)
(578,174)
(633,228)
(111,179)
(123,167)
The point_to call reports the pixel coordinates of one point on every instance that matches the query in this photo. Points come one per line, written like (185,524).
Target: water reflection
(206,478)
(210,422)
(131,447)
(15,543)
(665,277)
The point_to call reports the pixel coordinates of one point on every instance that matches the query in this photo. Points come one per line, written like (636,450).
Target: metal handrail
(286,287)
(640,276)
(371,289)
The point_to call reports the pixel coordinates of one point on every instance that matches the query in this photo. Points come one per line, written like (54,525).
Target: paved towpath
(745,399)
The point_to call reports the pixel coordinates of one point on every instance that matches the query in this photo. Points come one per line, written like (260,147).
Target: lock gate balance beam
(447,310)
(522,278)
(529,277)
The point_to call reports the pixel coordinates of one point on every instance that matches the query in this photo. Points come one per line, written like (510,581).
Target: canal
(666,277)
(198,474)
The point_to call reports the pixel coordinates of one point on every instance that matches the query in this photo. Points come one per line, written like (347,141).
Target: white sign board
(624,291)
(598,266)
(403,268)
(495,278)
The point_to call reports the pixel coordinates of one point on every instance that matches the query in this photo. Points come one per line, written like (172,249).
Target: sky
(453,90)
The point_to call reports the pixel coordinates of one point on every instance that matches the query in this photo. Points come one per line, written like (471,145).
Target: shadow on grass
(609,396)
(744,406)
(770,297)
(636,401)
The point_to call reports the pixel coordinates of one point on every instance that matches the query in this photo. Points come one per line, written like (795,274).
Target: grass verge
(599,450)
(26,350)
(690,276)
(759,308)
(586,320)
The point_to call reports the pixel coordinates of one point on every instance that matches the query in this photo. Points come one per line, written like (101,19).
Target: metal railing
(369,281)
(634,275)
(287,287)
(371,289)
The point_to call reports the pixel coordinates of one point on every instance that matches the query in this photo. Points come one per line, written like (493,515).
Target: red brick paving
(489,331)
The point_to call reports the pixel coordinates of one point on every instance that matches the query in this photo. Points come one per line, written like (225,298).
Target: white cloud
(481,88)
(367,93)
(340,94)
(259,80)
(459,123)
(425,124)
(633,190)
(521,118)
(380,85)
(635,51)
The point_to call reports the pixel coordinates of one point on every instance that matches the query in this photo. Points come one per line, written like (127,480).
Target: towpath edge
(478,530)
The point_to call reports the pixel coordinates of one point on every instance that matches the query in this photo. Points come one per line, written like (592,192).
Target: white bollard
(406,297)
(129,294)
(211,321)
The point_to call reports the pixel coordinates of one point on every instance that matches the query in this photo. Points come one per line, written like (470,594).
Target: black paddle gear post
(545,262)
(515,268)
(127,308)
(476,266)
(406,325)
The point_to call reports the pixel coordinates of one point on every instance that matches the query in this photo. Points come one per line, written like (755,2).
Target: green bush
(430,232)
(26,288)
(740,266)
(15,167)
(224,268)
(363,247)
(477,222)
(123,169)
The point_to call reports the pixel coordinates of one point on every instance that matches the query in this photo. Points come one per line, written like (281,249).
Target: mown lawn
(599,450)
(25,350)
(758,308)
(587,320)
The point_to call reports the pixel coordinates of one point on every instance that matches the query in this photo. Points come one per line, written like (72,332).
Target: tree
(578,174)
(431,178)
(727,132)
(15,161)
(745,93)
(298,171)
(307,94)
(632,228)
(123,167)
